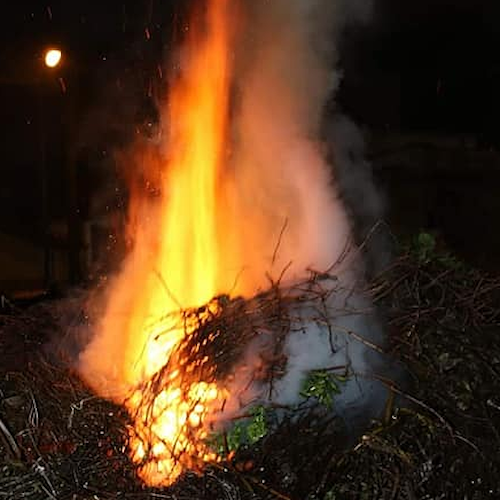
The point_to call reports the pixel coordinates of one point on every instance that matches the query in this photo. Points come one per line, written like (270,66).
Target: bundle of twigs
(220,331)
(60,441)
(215,340)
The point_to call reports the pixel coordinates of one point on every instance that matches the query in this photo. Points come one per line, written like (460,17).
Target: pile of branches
(235,344)
(60,441)
(217,335)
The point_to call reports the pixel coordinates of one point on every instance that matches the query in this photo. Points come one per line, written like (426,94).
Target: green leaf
(235,436)
(257,428)
(425,246)
(322,385)
(247,431)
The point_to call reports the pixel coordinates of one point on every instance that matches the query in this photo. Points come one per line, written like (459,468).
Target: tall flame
(266,204)
(175,261)
(177,266)
(186,257)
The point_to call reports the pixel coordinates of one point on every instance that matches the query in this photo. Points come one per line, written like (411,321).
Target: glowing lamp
(52,58)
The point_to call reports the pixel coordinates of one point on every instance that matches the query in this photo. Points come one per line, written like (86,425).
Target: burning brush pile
(440,440)
(238,353)
(247,211)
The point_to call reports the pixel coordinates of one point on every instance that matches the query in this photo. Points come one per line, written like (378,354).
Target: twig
(470,443)
(77,407)
(391,385)
(359,338)
(167,289)
(278,244)
(9,441)
(277,494)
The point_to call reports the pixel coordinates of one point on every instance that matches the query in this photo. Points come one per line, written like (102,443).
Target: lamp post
(51,59)
(44,75)
(54,59)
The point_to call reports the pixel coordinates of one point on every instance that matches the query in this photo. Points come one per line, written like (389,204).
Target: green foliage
(341,492)
(424,247)
(244,432)
(322,385)
(319,384)
(257,427)
(331,495)
(235,436)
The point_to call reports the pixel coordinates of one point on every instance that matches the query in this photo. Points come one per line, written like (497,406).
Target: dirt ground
(438,438)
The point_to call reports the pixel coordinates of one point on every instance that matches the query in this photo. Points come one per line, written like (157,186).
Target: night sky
(442,52)
(419,65)
(98,96)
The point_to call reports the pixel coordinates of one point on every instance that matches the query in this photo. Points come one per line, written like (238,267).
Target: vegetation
(322,385)
(438,439)
(245,432)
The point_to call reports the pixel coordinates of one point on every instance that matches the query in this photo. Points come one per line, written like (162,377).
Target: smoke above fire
(245,200)
(285,73)
(283,80)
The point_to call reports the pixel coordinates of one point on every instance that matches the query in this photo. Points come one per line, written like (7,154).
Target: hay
(60,441)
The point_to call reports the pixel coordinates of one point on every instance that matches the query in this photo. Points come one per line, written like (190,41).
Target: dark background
(421,78)
(426,64)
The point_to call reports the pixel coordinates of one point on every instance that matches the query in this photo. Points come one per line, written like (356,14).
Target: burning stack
(238,284)
(243,299)
(237,355)
(58,440)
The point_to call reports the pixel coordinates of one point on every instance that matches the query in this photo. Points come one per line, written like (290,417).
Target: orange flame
(174,263)
(168,435)
(208,220)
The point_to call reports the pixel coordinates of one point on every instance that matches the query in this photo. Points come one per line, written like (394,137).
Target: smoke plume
(286,72)
(284,75)
(362,199)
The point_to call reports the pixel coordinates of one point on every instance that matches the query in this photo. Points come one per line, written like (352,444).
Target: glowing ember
(170,407)
(168,436)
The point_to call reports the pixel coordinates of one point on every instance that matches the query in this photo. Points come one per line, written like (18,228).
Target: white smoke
(284,76)
(350,346)
(362,199)
(286,72)
(342,335)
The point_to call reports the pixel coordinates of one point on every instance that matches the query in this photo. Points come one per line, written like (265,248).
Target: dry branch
(61,441)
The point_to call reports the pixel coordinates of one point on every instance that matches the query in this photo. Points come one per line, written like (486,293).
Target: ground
(438,438)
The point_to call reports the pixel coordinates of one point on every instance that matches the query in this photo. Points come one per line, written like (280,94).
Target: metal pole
(73,215)
(42,135)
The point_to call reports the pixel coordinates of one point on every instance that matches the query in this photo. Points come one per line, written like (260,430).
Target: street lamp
(52,58)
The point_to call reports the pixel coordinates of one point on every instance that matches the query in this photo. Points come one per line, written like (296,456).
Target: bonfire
(59,440)
(234,218)
(239,351)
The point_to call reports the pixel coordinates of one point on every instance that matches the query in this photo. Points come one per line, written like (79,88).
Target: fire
(168,436)
(222,221)
(175,265)
(170,406)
